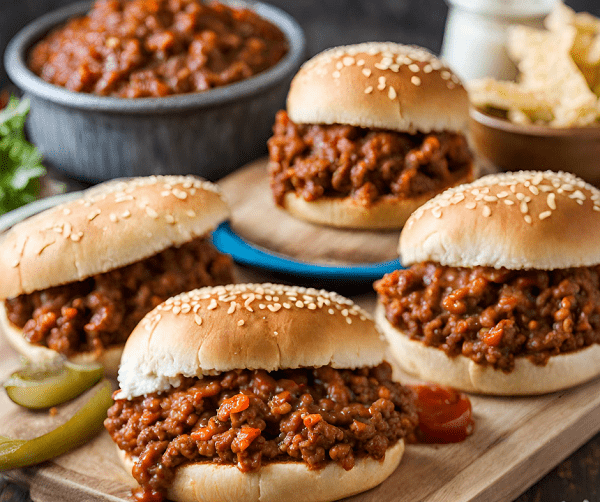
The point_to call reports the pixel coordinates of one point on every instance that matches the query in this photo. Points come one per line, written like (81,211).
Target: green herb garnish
(20,161)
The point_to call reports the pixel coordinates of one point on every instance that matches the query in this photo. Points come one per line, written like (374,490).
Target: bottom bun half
(109,358)
(433,365)
(208,482)
(386,213)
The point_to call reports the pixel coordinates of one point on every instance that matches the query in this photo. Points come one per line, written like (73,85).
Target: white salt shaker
(476,33)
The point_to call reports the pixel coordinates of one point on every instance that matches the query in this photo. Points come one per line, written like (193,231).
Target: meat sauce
(316,161)
(154,48)
(101,311)
(249,418)
(494,315)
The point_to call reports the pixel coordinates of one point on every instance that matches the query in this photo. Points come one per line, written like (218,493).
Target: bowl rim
(506,125)
(29,82)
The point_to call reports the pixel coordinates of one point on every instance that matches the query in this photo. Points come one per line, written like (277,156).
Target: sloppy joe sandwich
(502,290)
(77,278)
(258,392)
(371,132)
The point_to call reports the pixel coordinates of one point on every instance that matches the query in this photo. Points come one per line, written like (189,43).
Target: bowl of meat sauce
(138,87)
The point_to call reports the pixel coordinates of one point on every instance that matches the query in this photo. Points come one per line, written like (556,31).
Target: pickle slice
(43,388)
(78,430)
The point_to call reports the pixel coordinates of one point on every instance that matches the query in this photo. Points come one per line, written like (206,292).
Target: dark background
(326,22)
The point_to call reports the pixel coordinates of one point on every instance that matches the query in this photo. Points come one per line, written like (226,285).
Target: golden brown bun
(253,326)
(379,85)
(525,220)
(109,358)
(274,482)
(386,213)
(107,228)
(433,365)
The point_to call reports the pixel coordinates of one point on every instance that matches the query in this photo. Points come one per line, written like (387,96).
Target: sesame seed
(275,307)
(551,201)
(348,61)
(369,90)
(414,68)
(169,218)
(287,305)
(445,75)
(366,72)
(427,69)
(331,311)
(212,305)
(125,214)
(151,212)
(339,65)
(186,308)
(66,211)
(392,93)
(471,205)
(176,309)
(299,304)
(360,62)
(545,214)
(180,194)
(348,320)
(113,217)
(415,80)
(528,219)
(336,74)
(508,202)
(232,307)
(345,312)
(523,207)
(486,211)
(533,189)
(436,212)
(312,306)
(262,306)
(191,213)
(198,320)
(240,322)
(93,214)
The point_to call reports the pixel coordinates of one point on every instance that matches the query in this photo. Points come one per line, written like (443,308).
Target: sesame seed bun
(518,221)
(562,371)
(276,481)
(376,85)
(110,226)
(245,326)
(524,220)
(380,85)
(107,229)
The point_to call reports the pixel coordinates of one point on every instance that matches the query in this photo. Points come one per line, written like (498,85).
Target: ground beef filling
(493,316)
(247,418)
(366,164)
(153,48)
(103,310)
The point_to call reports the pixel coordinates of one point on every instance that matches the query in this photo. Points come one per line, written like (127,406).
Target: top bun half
(379,85)
(110,226)
(523,220)
(246,326)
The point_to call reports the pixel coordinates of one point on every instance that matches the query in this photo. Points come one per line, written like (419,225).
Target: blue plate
(227,241)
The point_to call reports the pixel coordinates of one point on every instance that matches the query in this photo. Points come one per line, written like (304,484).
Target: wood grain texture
(516,441)
(259,221)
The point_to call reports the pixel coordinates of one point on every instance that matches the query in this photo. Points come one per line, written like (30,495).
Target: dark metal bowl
(95,138)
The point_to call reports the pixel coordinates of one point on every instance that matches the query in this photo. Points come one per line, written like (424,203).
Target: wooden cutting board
(257,219)
(516,440)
